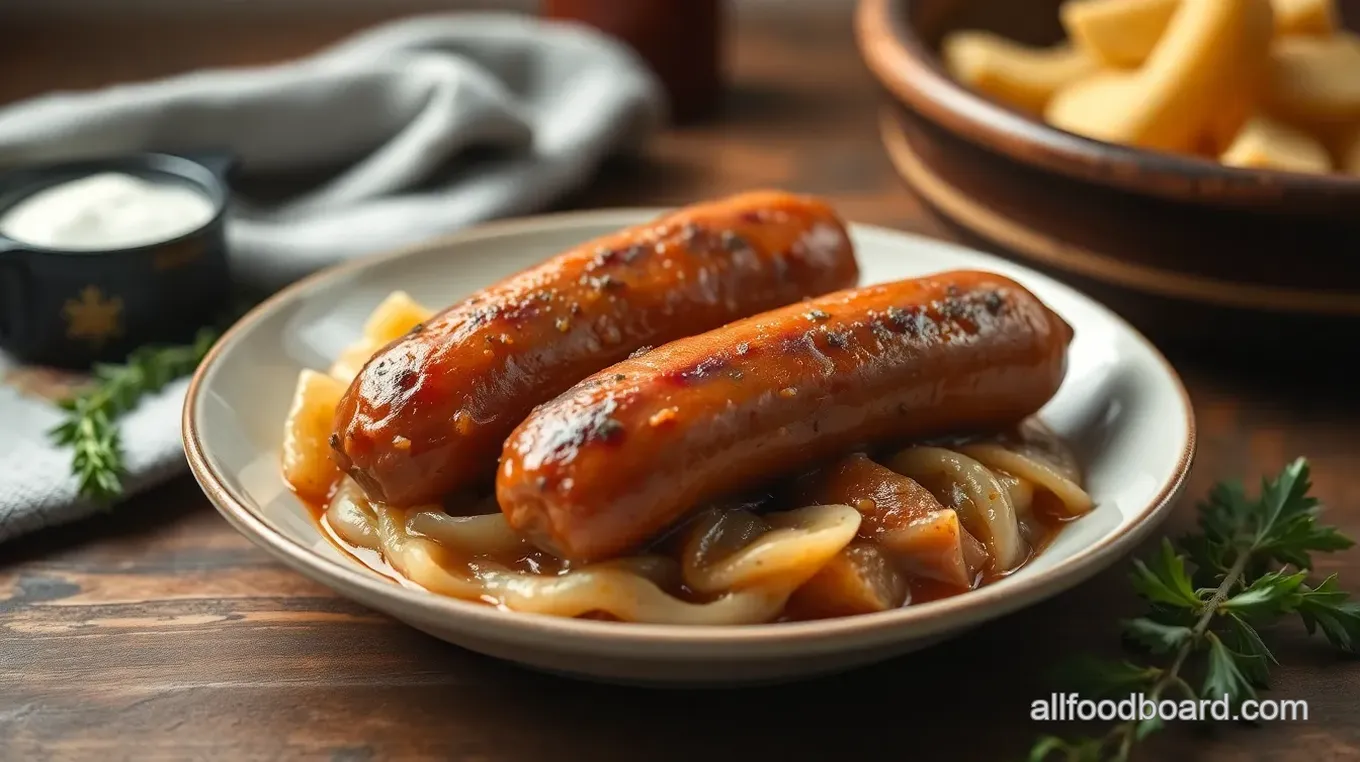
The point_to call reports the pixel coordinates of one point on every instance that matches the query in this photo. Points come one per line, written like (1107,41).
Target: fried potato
(1305,17)
(1265,143)
(1263,84)
(1117,33)
(1201,81)
(390,320)
(395,317)
(1315,82)
(307,464)
(1014,74)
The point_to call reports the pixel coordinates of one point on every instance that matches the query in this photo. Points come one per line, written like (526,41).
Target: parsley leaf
(1222,676)
(1326,608)
(1163,579)
(1272,594)
(1157,637)
(1253,657)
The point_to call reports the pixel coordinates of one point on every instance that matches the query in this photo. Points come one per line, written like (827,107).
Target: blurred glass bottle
(680,39)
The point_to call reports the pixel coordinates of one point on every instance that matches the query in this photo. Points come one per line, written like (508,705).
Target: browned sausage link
(631,449)
(429,413)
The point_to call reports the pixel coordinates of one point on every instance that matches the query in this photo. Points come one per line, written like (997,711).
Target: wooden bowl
(1184,247)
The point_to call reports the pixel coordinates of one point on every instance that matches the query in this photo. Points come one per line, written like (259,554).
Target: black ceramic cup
(71,309)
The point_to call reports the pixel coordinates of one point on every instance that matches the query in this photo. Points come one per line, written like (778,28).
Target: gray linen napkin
(434,122)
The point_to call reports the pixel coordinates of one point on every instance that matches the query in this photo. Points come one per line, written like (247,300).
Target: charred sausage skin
(428,414)
(631,449)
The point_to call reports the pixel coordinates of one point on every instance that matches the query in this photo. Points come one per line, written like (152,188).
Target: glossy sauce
(429,413)
(1046,511)
(366,556)
(629,449)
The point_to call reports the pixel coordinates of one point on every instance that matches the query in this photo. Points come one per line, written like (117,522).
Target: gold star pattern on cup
(92,317)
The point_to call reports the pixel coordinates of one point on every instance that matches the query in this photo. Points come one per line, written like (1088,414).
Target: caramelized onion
(796,547)
(983,503)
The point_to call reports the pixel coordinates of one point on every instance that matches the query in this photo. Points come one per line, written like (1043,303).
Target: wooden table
(157,632)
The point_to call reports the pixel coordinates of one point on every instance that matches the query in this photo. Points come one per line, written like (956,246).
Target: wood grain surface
(156,632)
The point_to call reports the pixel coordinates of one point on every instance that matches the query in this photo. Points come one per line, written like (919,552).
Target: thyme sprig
(90,428)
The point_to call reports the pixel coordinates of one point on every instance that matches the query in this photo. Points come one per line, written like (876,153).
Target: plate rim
(911,621)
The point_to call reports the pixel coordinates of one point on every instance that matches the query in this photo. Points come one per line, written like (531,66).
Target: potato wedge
(1117,33)
(393,318)
(1014,74)
(1305,17)
(1201,82)
(1121,33)
(858,580)
(307,464)
(1315,82)
(1265,143)
(1108,106)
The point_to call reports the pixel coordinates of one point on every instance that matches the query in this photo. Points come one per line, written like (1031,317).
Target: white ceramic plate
(1121,407)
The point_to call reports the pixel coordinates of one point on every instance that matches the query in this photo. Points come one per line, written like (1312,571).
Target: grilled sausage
(631,449)
(428,414)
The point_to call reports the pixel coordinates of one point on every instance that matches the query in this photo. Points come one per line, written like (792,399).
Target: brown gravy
(1046,510)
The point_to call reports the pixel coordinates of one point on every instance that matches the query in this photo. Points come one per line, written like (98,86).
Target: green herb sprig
(1250,561)
(90,428)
